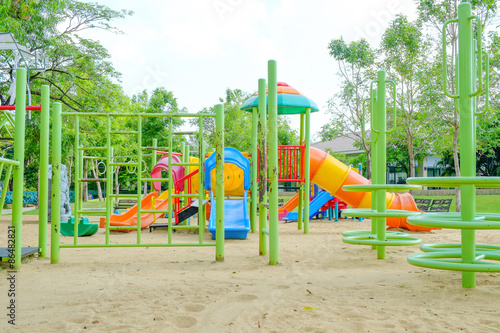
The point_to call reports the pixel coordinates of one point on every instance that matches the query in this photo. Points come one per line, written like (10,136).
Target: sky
(199,48)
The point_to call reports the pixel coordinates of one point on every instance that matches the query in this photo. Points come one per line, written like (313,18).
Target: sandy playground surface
(321,285)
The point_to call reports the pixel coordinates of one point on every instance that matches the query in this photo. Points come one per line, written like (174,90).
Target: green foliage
(355,62)
(77,69)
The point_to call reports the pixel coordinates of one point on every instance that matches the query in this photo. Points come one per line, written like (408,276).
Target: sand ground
(320,285)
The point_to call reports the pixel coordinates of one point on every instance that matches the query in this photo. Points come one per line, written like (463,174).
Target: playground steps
(25,252)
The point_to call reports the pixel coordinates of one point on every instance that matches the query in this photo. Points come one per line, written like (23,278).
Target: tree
(76,69)
(355,61)
(433,14)
(406,51)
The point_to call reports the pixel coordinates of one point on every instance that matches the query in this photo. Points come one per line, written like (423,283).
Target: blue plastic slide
(236,217)
(314,206)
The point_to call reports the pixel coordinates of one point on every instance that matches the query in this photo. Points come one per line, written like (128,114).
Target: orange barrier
(331,174)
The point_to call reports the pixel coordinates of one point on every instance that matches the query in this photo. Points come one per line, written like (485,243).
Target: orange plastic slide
(129,218)
(331,174)
(289,206)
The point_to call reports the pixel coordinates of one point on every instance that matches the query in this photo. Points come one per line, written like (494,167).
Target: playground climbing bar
(273,162)
(466,256)
(135,163)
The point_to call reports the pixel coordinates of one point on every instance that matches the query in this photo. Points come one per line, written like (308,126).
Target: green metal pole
(77,216)
(273,162)
(186,182)
(43,196)
(183,159)
(56,186)
(374,156)
(301,185)
(253,203)
(78,166)
(153,158)
(262,168)
(219,157)
(109,183)
(170,181)
(307,170)
(18,178)
(201,183)
(467,119)
(139,177)
(381,161)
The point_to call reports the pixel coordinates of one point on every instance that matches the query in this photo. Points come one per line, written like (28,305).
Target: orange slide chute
(331,174)
(129,218)
(289,206)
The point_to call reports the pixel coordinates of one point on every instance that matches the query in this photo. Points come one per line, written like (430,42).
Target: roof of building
(342,144)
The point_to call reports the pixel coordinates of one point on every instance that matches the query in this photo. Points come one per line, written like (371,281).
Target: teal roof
(287,104)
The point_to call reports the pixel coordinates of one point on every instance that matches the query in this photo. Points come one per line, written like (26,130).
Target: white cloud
(200,50)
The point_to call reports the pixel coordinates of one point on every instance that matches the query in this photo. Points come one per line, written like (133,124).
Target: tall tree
(433,14)
(77,69)
(405,53)
(355,61)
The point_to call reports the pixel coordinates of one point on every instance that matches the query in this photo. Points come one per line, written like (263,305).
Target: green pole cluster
(219,157)
(273,161)
(44,171)
(378,237)
(262,168)
(467,255)
(467,134)
(18,177)
(56,185)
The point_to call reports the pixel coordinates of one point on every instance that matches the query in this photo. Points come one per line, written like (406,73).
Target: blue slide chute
(236,217)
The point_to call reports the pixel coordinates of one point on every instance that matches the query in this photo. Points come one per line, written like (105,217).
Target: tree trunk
(411,157)
(85,185)
(96,175)
(368,161)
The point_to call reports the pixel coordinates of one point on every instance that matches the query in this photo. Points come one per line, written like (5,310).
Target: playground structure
(15,121)
(466,256)
(375,196)
(301,164)
(144,208)
(237,221)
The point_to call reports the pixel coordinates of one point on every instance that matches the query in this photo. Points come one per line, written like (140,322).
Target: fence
(31,197)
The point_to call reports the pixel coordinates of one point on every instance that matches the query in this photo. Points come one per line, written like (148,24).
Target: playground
(322,285)
(207,241)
